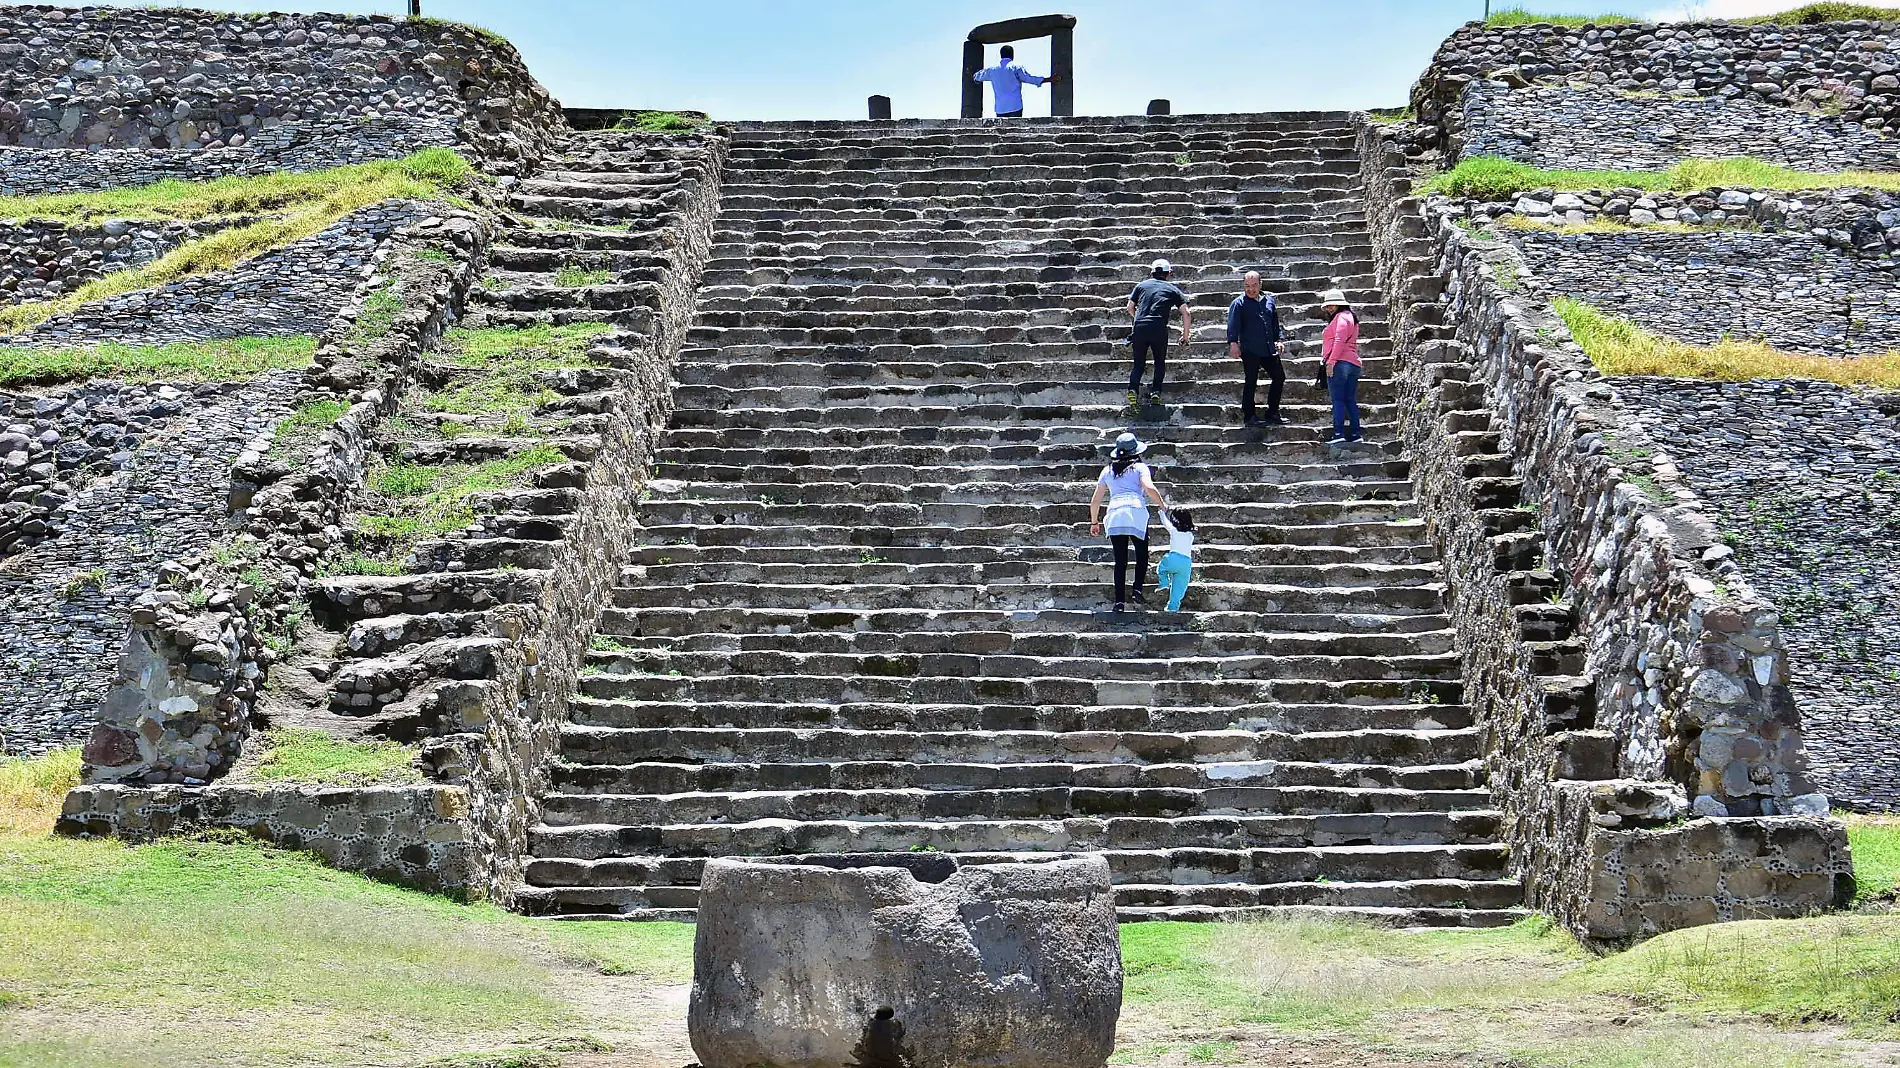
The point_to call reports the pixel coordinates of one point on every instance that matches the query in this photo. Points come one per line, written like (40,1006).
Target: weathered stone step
(854,540)
(1377,421)
(1210,194)
(525,240)
(625,302)
(673,620)
(658,512)
(798,468)
(637,320)
(740,366)
(906,774)
(657,211)
(774,837)
(1081,327)
(1001,491)
(343,600)
(1375,397)
(1034,690)
(1214,596)
(1345,226)
(1074,213)
(918,320)
(857,572)
(1003,716)
(780,745)
(516,260)
(964,440)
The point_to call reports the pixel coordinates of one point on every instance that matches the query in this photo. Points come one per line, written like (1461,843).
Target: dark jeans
(1253,364)
(1344,386)
(1123,543)
(1146,340)
(1017,114)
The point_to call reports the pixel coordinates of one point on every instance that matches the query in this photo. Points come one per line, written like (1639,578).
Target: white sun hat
(1334,298)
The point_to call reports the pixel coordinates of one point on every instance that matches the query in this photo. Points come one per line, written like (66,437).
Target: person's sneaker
(1120,607)
(1139,597)
(1336,439)
(1273,420)
(1356,439)
(1134,399)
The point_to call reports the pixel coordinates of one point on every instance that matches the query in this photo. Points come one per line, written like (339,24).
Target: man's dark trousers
(1145,340)
(1253,363)
(1017,114)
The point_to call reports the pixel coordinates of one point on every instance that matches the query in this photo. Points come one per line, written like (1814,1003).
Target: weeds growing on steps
(1494,178)
(224,360)
(296,206)
(410,502)
(662,122)
(576,276)
(313,756)
(30,793)
(1517,16)
(1806,15)
(1620,347)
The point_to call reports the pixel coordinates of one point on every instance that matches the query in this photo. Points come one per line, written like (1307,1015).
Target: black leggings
(1145,342)
(1122,542)
(1276,383)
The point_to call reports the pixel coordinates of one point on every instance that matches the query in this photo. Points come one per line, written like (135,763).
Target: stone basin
(914,960)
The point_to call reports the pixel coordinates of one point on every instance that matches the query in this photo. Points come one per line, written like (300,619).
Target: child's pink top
(1340,342)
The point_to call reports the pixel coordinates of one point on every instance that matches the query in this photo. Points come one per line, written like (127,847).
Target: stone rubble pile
(40,260)
(176,80)
(1585,127)
(1803,477)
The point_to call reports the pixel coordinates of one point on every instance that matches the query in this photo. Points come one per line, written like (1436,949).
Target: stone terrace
(867,616)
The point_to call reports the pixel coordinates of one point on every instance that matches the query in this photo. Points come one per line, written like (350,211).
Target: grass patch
(1517,16)
(575,276)
(662,122)
(1792,972)
(1494,178)
(310,419)
(541,347)
(1810,14)
(305,205)
(31,790)
(661,951)
(410,502)
(379,312)
(1619,347)
(83,582)
(312,756)
(1876,844)
(224,360)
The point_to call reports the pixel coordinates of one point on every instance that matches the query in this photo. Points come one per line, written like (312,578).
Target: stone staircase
(868,618)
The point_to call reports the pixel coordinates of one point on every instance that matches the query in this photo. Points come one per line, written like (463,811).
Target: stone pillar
(880,107)
(972,89)
(1062,66)
(1160,107)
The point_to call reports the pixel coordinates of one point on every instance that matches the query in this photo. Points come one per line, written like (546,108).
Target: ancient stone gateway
(1060,29)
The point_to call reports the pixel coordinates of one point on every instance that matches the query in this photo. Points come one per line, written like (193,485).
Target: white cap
(1161,265)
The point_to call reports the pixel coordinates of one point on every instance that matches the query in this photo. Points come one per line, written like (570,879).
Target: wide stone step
(1054,260)
(994,491)
(801,468)
(1001,715)
(657,512)
(1318,230)
(1192,398)
(850,572)
(858,538)
(728,329)
(1436,683)
(1160,418)
(1224,750)
(673,620)
(743,367)
(773,837)
(961,442)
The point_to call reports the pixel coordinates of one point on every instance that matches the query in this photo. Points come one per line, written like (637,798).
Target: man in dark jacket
(1150,306)
(1253,338)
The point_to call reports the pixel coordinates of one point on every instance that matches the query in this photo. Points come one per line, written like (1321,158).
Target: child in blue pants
(1176,566)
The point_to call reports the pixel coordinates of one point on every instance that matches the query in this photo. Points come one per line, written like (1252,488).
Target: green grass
(662,122)
(301,206)
(410,502)
(575,276)
(224,360)
(1876,844)
(31,789)
(1791,972)
(312,756)
(310,418)
(1809,14)
(541,347)
(378,315)
(1493,178)
(1517,16)
(1618,346)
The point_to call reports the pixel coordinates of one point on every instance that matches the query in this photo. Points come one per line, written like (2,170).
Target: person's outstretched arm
(1095,509)
(1187,324)
(1148,488)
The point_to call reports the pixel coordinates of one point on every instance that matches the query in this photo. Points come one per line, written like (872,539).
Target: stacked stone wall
(1665,784)
(224,93)
(40,260)
(490,736)
(1844,75)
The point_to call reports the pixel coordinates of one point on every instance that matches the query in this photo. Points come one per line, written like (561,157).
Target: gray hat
(1334,298)
(1129,445)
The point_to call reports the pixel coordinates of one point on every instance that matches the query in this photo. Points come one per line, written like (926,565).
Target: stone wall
(1631,684)
(40,260)
(185,82)
(297,289)
(1803,479)
(486,700)
(1789,290)
(1583,127)
(1845,69)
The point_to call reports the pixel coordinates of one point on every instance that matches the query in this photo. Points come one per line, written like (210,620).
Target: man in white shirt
(1006,80)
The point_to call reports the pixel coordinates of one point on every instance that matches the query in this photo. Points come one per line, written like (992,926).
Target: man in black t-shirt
(1153,300)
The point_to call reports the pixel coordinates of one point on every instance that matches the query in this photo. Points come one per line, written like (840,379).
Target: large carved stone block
(824,963)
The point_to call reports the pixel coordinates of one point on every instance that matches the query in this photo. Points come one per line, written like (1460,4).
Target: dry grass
(1619,347)
(31,790)
(1494,178)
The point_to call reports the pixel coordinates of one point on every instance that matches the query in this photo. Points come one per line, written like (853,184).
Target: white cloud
(1720,9)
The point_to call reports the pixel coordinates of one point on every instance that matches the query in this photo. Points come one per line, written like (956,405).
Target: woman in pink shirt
(1339,347)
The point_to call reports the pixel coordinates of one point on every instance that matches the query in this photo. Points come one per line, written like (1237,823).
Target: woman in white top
(1126,486)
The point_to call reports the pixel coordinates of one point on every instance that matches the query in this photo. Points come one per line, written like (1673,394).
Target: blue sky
(819,59)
